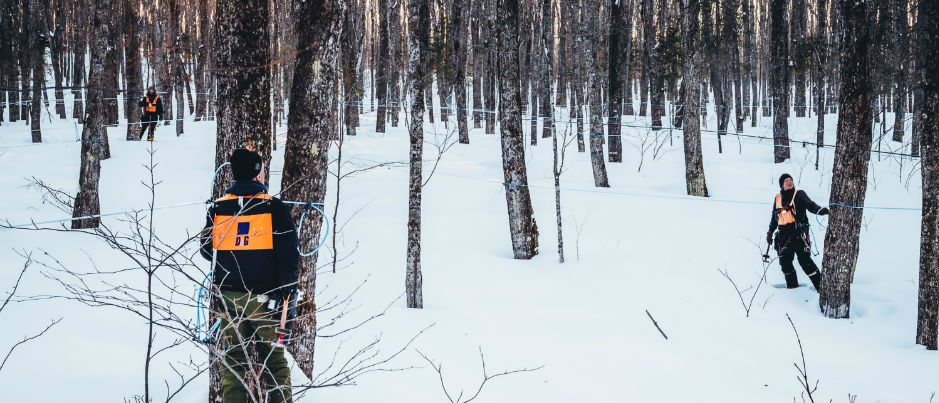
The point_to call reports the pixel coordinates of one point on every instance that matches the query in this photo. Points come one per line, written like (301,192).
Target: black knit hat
(783,179)
(245,164)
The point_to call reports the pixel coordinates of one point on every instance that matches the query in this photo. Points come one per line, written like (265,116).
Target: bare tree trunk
(56,51)
(479,60)
(694,161)
(243,77)
(901,60)
(204,61)
(382,67)
(522,225)
(577,85)
(418,41)
(394,78)
(849,174)
(491,66)
(545,48)
(822,59)
(779,80)
(132,79)
(927,32)
(592,57)
(87,203)
(352,48)
(312,121)
(617,53)
(459,57)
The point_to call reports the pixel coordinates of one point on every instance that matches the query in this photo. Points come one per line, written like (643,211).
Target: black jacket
(146,100)
(251,257)
(803,203)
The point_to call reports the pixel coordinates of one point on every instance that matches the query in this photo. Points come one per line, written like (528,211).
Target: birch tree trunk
(849,174)
(418,43)
(522,225)
(927,53)
(86,201)
(691,124)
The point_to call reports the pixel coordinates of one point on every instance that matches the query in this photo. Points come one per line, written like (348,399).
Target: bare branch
(26,340)
(486,377)
(803,371)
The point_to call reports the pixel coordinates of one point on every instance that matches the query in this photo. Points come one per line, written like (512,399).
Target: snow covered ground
(638,248)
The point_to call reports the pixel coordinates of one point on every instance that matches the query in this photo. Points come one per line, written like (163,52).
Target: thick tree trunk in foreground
(928,74)
(849,174)
(312,121)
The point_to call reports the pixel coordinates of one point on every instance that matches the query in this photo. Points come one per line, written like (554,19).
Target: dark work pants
(148,121)
(808,266)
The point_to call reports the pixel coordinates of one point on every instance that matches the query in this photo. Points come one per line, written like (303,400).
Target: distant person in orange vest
(152,112)
(793,237)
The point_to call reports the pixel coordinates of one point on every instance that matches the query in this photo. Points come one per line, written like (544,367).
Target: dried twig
(656,324)
(803,371)
(486,377)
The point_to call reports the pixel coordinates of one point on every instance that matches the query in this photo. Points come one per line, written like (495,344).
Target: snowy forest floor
(638,248)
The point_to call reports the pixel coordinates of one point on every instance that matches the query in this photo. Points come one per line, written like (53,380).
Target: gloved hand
(823,211)
(769,237)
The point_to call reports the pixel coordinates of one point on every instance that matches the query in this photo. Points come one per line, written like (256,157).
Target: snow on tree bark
(522,227)
(87,202)
(312,121)
(418,44)
(852,154)
(691,124)
(928,74)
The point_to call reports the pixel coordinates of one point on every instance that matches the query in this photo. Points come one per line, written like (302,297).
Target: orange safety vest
(787,215)
(244,231)
(151,105)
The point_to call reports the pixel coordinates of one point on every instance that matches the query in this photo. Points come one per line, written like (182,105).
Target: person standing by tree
(152,112)
(793,237)
(251,238)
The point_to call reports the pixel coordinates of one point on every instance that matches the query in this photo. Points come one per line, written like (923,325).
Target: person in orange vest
(793,238)
(250,237)
(152,112)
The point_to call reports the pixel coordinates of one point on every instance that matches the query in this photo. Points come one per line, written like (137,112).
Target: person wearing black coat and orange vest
(152,112)
(793,237)
(251,237)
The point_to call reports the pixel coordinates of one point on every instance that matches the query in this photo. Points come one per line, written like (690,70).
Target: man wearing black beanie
(250,237)
(793,238)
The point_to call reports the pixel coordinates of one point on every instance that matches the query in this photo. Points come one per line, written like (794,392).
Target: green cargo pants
(247,324)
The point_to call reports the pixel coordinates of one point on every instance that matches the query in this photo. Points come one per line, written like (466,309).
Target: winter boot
(791,280)
(816,278)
